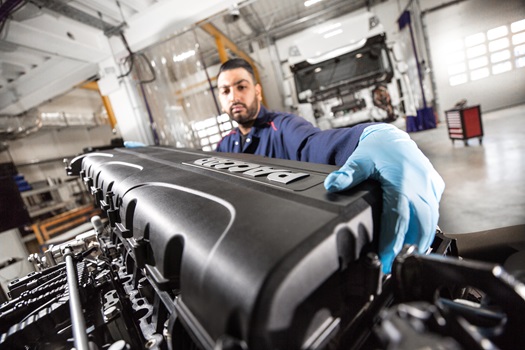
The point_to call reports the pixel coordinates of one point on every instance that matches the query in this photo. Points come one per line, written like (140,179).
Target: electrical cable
(132,59)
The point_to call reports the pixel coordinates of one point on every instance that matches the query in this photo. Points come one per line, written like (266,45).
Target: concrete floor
(485,184)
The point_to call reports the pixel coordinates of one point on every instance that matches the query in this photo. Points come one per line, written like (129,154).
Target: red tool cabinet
(464,123)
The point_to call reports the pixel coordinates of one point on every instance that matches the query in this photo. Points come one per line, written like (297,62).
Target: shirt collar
(262,120)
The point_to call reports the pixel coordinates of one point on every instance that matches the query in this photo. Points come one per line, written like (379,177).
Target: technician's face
(239,96)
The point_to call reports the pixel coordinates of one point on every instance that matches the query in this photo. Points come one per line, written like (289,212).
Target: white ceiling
(47,47)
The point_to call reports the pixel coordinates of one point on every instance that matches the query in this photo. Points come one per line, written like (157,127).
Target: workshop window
(478,62)
(518,26)
(476,39)
(210,131)
(476,51)
(519,50)
(458,79)
(479,74)
(497,33)
(501,68)
(499,44)
(496,51)
(500,56)
(518,39)
(520,62)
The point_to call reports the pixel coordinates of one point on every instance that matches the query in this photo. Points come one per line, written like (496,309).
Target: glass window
(476,39)
(519,50)
(501,67)
(497,32)
(479,74)
(486,54)
(476,51)
(500,56)
(223,118)
(518,38)
(215,138)
(213,130)
(520,62)
(478,62)
(517,26)
(499,44)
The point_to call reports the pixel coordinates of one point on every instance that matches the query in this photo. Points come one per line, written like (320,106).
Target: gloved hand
(133,144)
(411,187)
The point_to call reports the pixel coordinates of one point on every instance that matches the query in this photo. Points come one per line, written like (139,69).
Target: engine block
(219,251)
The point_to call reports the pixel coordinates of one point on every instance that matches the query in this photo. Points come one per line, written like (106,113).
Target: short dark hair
(235,63)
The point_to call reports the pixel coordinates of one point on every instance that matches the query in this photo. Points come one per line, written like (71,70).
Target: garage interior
(77,76)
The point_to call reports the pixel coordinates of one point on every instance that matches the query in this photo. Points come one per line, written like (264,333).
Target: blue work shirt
(287,136)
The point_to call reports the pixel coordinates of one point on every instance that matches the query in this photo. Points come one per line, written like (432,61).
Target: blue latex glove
(133,144)
(411,187)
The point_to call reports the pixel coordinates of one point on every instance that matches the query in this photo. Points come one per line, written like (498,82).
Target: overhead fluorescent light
(308,3)
(183,56)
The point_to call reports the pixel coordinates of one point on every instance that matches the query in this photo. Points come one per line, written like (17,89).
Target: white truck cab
(343,69)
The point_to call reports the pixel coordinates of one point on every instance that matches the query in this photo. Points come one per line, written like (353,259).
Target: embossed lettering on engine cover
(282,176)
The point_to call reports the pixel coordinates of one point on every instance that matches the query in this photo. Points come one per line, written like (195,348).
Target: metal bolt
(150,343)
(110,313)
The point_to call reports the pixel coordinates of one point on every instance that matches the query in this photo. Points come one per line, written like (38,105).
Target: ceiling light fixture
(183,56)
(308,3)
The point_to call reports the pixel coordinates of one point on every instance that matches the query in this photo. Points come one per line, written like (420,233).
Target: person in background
(383,103)
(411,186)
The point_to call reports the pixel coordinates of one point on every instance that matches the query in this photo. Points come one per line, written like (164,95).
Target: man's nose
(233,96)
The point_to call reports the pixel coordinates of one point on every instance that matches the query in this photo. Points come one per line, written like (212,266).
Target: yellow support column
(93,85)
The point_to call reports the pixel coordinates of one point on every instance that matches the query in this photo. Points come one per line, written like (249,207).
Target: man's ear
(258,91)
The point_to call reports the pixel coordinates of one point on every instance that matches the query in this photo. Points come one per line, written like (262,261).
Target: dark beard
(247,118)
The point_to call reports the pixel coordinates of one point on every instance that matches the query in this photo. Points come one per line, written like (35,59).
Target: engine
(205,251)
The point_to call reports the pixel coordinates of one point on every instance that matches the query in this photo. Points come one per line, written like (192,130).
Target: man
(411,187)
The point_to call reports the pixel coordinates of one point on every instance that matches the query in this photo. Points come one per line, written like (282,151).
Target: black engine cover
(254,248)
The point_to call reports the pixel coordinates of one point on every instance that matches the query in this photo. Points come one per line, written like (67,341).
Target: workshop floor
(485,184)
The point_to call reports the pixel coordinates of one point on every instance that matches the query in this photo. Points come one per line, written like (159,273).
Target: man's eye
(241,87)
(224,91)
